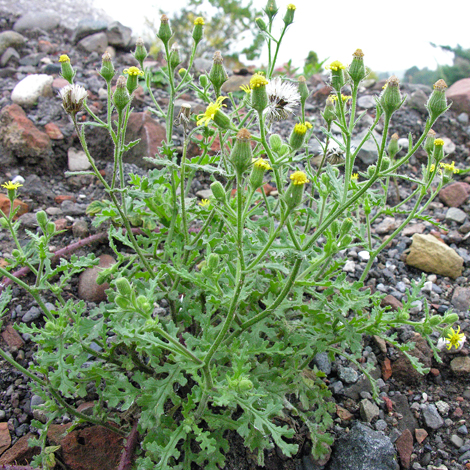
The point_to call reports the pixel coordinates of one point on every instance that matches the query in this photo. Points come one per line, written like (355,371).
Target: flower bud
(357,70)
(437,102)
(329,113)
(132,78)
(429,142)
(41,217)
(143,303)
(164,33)
(241,155)
(337,75)
(275,142)
(303,89)
(297,136)
(140,52)
(3,223)
(346,226)
(390,99)
(435,320)
(50,228)
(67,71)
(122,302)
(175,59)
(198,30)
(123,286)
(222,120)
(213,261)
(371,170)
(271,9)
(261,24)
(15,253)
(438,153)
(259,96)
(283,150)
(385,164)
(450,318)
(218,191)
(293,195)
(204,80)
(289,16)
(121,97)
(107,67)
(260,167)
(367,208)
(218,75)
(393,148)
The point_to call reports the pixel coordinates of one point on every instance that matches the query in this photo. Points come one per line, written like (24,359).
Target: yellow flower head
(302,128)
(133,71)
(263,164)
(11,186)
(440,85)
(438,142)
(336,65)
(455,338)
(258,80)
(355,176)
(246,89)
(291,7)
(205,203)
(449,167)
(208,116)
(64,58)
(432,168)
(346,97)
(299,178)
(199,21)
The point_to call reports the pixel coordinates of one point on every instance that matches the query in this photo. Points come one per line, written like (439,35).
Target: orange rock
(53,131)
(5,438)
(5,205)
(13,339)
(62,224)
(343,413)
(420,435)
(386,369)
(64,197)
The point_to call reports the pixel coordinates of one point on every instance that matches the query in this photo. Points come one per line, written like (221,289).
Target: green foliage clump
(254,284)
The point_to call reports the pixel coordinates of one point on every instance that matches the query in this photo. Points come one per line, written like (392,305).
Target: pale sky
(394,35)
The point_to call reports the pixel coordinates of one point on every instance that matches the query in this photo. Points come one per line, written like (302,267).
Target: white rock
(364,255)
(350,266)
(28,90)
(427,287)
(77,160)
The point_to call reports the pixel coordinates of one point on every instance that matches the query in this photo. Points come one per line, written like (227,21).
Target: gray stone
(32,314)
(366,101)
(349,266)
(456,440)
(432,418)
(381,425)
(87,27)
(463,118)
(417,100)
(402,407)
(8,55)
(368,410)
(442,407)
(461,298)
(97,42)
(28,90)
(43,20)
(348,374)
(456,215)
(363,449)
(463,430)
(10,39)
(387,225)
(323,363)
(204,65)
(118,34)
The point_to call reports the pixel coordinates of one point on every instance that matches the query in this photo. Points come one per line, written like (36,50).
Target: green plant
(253,294)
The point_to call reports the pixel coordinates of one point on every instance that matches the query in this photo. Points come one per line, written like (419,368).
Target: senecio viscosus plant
(253,282)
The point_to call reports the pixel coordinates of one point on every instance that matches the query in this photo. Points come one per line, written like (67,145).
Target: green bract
(216,308)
